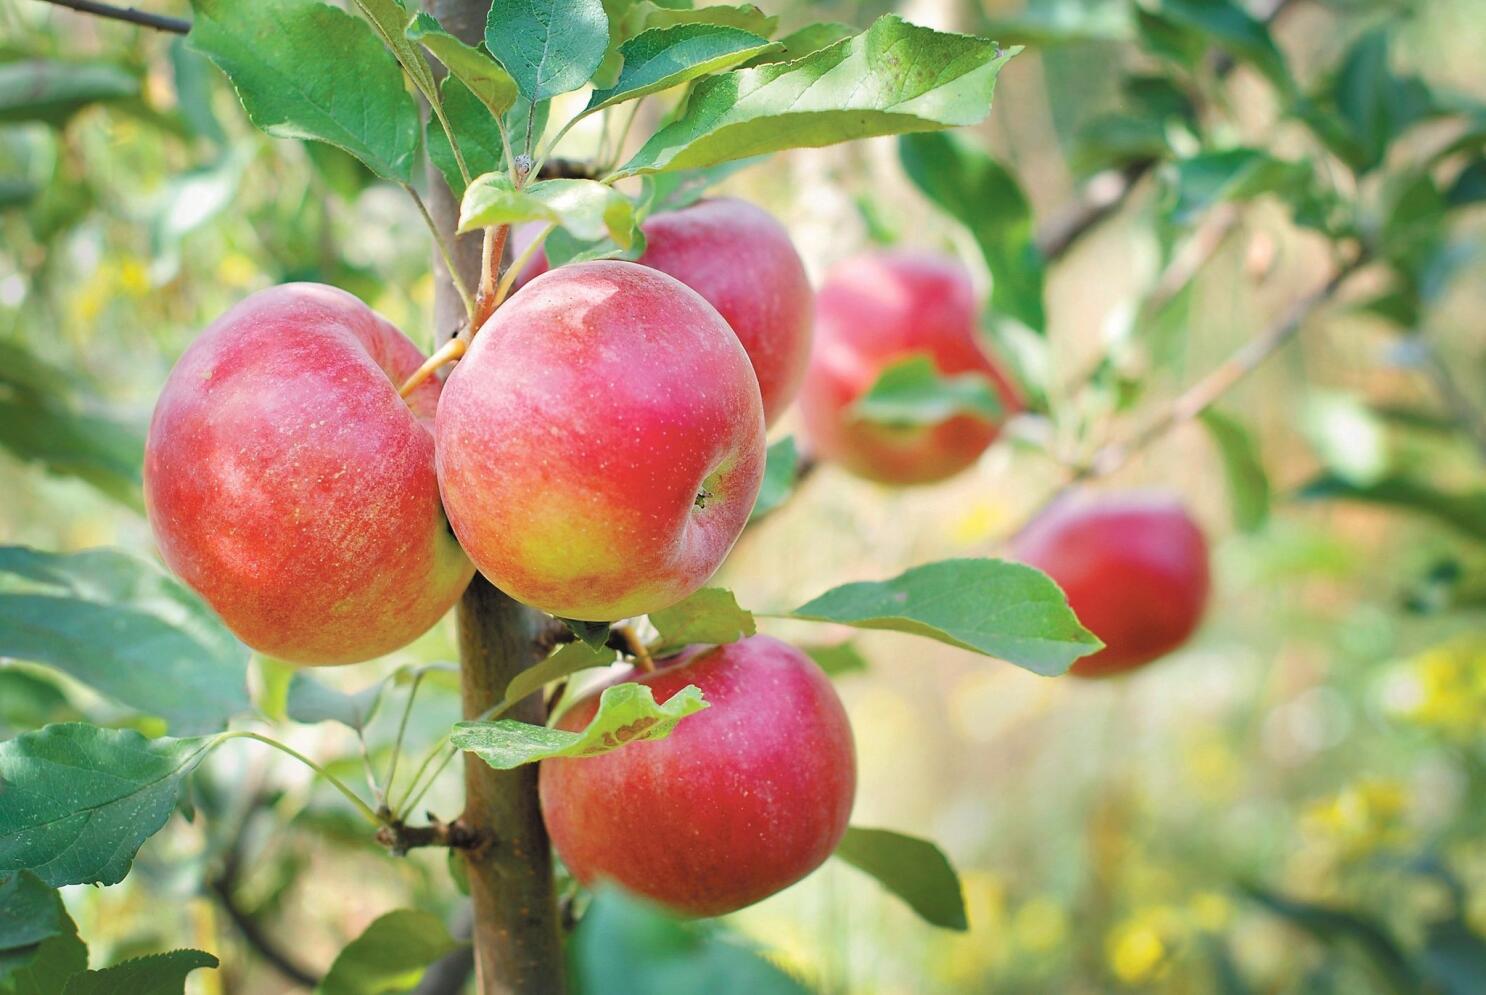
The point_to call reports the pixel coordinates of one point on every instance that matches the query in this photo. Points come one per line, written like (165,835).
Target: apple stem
(446,353)
(492,254)
(636,648)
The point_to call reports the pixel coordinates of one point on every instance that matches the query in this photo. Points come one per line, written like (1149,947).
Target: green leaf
(1469,185)
(31,912)
(806,41)
(661,955)
(45,968)
(586,208)
(672,191)
(1365,106)
(562,247)
(389,19)
(160,974)
(915,870)
(1334,926)
(48,416)
(390,956)
(80,800)
(309,701)
(977,191)
(894,77)
(1233,29)
(479,73)
(1005,610)
(52,91)
(665,57)
(593,634)
(126,628)
(274,52)
(1248,484)
(1063,22)
(29,701)
(548,46)
(710,616)
(911,392)
(780,468)
(627,713)
(1209,178)
(568,660)
(646,15)
(837,659)
(1454,956)
(1463,510)
(479,133)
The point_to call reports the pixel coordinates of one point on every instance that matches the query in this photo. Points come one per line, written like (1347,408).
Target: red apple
(1135,569)
(742,799)
(601,445)
(876,309)
(293,489)
(742,260)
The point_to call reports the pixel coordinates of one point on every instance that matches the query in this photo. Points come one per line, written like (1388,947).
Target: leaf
(568,660)
(479,133)
(80,800)
(193,74)
(710,616)
(664,956)
(274,51)
(1469,185)
(31,912)
(1063,22)
(915,870)
(838,659)
(126,628)
(805,41)
(1454,956)
(1005,610)
(160,974)
(1360,110)
(479,73)
(30,701)
(671,191)
(52,91)
(646,15)
(665,57)
(977,191)
(1248,484)
(310,701)
(586,208)
(593,634)
(1465,510)
(1333,926)
(46,969)
(390,955)
(627,713)
(389,19)
(1233,29)
(894,77)
(780,469)
(563,247)
(911,392)
(1204,180)
(548,46)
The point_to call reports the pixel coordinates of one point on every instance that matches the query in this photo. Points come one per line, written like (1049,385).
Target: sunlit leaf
(586,208)
(780,469)
(894,77)
(666,57)
(480,74)
(627,713)
(711,615)
(158,974)
(548,46)
(1005,610)
(390,955)
(568,660)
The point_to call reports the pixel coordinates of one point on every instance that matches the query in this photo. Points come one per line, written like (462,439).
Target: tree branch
(159,22)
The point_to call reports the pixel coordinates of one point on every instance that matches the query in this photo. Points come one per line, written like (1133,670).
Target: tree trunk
(517,944)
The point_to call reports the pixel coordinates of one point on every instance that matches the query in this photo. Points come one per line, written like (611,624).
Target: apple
(1134,568)
(876,309)
(289,485)
(601,444)
(737,256)
(741,800)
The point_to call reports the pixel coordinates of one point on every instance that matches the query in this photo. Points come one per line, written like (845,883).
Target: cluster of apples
(595,454)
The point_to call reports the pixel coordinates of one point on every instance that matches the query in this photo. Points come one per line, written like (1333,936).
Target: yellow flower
(1444,688)
(1135,951)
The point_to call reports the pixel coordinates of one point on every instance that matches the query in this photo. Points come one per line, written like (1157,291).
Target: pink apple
(289,485)
(872,311)
(601,445)
(742,799)
(1135,569)
(742,260)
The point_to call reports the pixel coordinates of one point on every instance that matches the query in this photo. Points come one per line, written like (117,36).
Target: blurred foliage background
(1293,803)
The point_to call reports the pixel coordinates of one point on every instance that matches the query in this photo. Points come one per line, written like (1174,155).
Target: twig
(1204,393)
(445,252)
(446,353)
(492,255)
(399,837)
(159,22)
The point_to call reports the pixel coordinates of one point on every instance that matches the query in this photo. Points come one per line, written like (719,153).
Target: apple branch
(131,15)
(1197,398)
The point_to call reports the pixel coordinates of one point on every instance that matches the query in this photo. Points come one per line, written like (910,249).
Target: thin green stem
(335,782)
(415,793)
(536,167)
(438,111)
(446,252)
(402,728)
(634,112)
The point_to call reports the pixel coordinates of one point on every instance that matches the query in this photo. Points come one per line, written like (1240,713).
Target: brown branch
(159,22)
(568,169)
(399,837)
